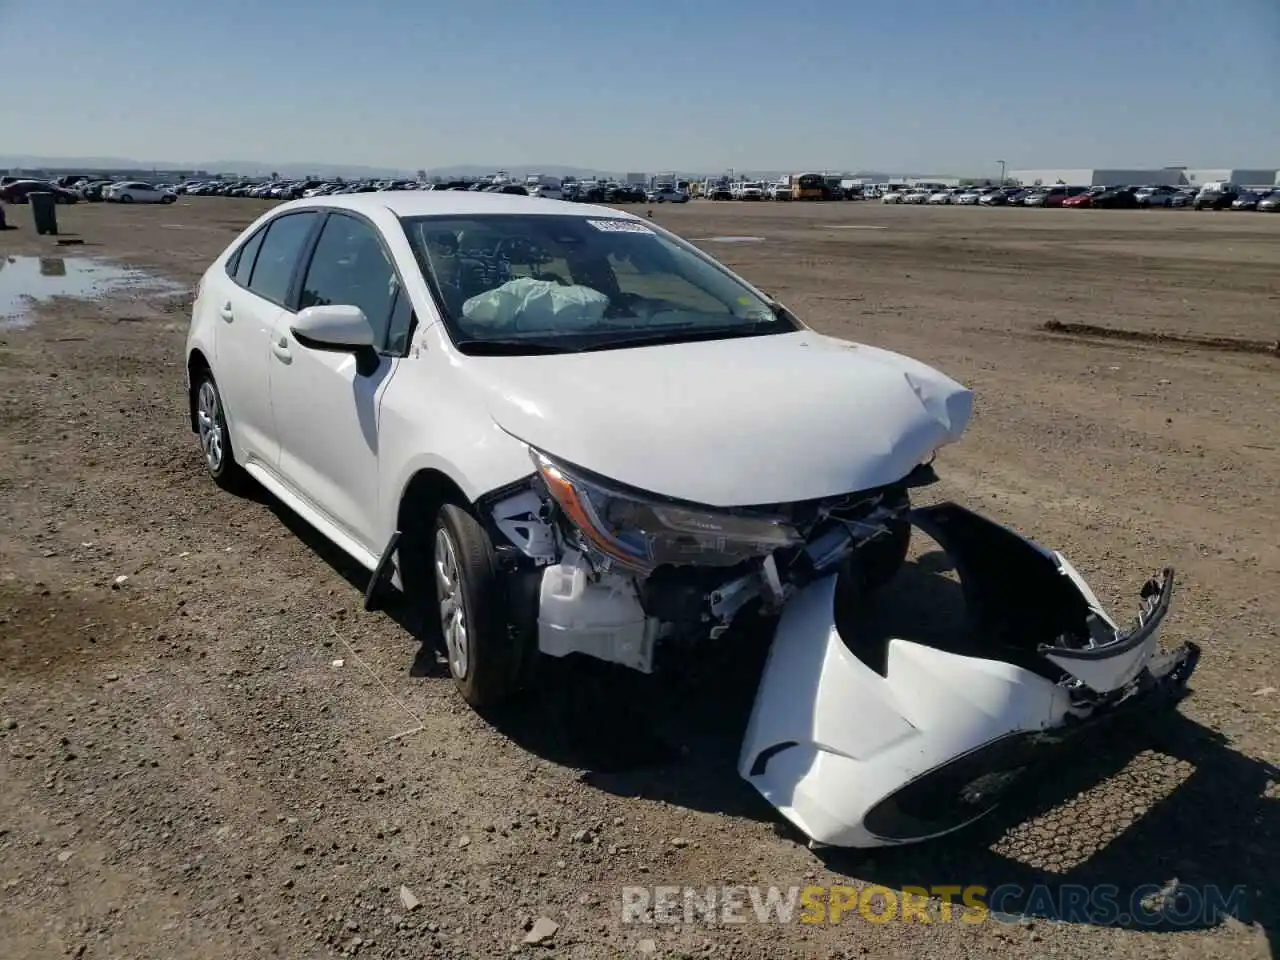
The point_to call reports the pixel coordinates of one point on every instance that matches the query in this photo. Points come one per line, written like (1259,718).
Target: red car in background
(1084,199)
(1060,196)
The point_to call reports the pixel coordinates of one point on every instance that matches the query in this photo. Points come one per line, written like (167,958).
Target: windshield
(577,282)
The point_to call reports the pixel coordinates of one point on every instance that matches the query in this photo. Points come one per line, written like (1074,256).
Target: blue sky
(928,85)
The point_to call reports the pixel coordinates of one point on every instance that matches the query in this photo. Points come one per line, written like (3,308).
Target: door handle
(280,348)
(226,313)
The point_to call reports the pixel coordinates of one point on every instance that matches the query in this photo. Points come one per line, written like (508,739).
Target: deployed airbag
(527,305)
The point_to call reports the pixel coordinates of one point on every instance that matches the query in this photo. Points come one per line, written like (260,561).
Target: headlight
(641,533)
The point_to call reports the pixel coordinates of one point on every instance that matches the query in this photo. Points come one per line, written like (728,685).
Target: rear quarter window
(240,266)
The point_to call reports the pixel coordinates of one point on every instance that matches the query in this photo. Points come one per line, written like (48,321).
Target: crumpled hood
(758,420)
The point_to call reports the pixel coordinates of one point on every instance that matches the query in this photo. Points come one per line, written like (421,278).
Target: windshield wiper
(671,335)
(510,347)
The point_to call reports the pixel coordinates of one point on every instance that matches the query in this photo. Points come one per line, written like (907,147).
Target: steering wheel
(622,304)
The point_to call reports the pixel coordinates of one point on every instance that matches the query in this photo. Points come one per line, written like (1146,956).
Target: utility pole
(1001,162)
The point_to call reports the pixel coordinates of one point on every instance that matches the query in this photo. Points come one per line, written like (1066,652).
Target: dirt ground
(185,773)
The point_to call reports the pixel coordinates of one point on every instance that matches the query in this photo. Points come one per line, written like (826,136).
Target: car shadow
(1204,851)
(426,661)
(1200,853)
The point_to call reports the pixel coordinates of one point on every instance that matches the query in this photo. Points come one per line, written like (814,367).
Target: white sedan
(137,191)
(564,430)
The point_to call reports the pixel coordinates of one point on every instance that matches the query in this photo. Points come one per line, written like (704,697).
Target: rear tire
(126,198)
(215,437)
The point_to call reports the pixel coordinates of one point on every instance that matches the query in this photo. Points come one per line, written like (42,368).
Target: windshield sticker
(619,226)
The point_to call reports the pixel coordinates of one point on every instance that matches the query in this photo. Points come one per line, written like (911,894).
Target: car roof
(426,203)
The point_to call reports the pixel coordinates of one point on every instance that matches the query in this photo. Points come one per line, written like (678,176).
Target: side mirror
(338,328)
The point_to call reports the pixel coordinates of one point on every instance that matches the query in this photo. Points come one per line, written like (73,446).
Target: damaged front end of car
(622,572)
(857,741)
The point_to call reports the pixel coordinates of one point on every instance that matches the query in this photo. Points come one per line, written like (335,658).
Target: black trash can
(44,211)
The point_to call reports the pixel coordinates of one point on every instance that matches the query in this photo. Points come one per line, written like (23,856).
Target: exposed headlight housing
(641,533)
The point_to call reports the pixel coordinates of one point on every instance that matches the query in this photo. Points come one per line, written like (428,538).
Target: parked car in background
(18,190)
(1117,198)
(91,190)
(1156,196)
(1217,195)
(1083,199)
(137,191)
(1058,197)
(1270,203)
(1247,200)
(1034,197)
(667,195)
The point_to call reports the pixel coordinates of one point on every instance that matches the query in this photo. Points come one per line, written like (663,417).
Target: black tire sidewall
(492,663)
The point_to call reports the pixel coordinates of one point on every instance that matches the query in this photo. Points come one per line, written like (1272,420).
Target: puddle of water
(25,281)
(730,239)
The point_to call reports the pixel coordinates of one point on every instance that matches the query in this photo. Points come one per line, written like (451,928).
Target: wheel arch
(197,364)
(428,487)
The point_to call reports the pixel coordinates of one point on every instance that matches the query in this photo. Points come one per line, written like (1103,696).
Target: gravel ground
(184,772)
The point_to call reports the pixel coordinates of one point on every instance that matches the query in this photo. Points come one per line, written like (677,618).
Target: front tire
(471,604)
(126,198)
(215,438)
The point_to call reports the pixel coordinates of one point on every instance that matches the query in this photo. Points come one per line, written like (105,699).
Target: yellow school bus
(808,186)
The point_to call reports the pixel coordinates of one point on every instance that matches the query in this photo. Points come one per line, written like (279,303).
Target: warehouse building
(1246,178)
(1096,178)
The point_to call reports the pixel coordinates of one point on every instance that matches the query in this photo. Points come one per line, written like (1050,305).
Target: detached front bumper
(865,742)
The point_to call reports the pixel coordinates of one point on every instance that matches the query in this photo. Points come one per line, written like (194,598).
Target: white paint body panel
(756,420)
(860,736)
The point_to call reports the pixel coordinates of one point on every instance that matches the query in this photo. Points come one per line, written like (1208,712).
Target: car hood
(737,422)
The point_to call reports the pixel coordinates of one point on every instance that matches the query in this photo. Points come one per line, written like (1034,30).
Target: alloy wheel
(453,614)
(211,425)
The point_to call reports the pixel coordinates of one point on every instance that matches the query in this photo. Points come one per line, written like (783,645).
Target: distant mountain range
(291,170)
